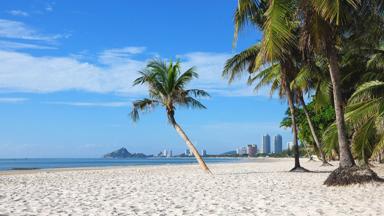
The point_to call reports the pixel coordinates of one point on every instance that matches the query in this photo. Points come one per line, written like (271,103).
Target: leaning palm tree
(166,85)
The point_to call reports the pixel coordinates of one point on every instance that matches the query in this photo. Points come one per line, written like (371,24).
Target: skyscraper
(266,143)
(204,153)
(278,143)
(187,152)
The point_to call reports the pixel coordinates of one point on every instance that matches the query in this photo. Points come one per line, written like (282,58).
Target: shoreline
(63,169)
(244,161)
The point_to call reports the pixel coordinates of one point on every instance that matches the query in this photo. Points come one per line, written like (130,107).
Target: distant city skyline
(263,145)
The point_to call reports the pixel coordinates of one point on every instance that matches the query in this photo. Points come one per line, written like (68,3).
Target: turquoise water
(44,163)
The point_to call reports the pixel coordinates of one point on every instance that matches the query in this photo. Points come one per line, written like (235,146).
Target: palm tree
(274,75)
(319,22)
(322,26)
(316,20)
(166,85)
(272,50)
(326,25)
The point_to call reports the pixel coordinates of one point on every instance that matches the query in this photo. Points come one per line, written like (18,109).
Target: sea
(50,163)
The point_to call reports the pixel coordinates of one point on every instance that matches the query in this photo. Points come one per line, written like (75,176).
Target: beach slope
(258,187)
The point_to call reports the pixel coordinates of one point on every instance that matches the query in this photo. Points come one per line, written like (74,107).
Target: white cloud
(7,100)
(27,73)
(18,30)
(210,66)
(10,45)
(18,13)
(92,104)
(120,55)
(21,72)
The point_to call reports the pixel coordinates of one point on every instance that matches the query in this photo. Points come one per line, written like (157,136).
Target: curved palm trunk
(289,95)
(313,132)
(189,144)
(346,159)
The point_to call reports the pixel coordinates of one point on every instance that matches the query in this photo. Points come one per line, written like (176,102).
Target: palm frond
(265,77)
(166,87)
(191,102)
(303,79)
(197,93)
(278,36)
(368,90)
(241,63)
(331,10)
(186,77)
(363,140)
(330,139)
(323,94)
(142,105)
(358,112)
(248,12)
(379,147)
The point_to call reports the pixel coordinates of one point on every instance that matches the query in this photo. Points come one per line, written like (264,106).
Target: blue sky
(67,69)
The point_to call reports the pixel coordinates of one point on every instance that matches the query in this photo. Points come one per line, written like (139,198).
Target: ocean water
(46,163)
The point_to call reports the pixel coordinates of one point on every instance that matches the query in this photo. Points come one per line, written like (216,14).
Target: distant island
(123,153)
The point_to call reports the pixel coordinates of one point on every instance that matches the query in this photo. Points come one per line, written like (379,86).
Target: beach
(258,187)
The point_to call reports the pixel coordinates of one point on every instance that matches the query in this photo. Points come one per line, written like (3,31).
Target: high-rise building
(290,146)
(187,152)
(251,150)
(169,153)
(266,144)
(204,153)
(278,143)
(165,153)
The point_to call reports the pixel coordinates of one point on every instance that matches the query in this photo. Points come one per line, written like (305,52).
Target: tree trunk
(346,159)
(348,172)
(189,144)
(313,132)
(289,95)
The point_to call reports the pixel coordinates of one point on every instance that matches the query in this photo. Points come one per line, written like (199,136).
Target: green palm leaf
(332,10)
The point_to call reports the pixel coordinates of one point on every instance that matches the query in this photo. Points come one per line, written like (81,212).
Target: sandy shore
(262,187)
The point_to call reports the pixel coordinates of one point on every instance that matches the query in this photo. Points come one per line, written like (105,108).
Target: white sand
(262,187)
